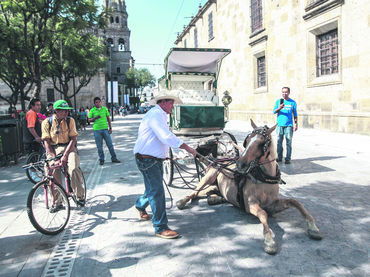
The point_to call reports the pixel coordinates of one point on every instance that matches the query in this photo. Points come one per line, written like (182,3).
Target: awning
(196,60)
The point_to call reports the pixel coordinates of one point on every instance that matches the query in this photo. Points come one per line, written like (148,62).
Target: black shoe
(279,160)
(81,202)
(56,208)
(287,161)
(116,161)
(101,162)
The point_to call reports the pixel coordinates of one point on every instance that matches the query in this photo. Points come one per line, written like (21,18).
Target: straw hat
(165,94)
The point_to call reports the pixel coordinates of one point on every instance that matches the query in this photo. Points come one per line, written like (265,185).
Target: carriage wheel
(225,149)
(201,169)
(168,169)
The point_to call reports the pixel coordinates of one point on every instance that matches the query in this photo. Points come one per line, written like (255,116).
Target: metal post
(74,92)
(111,80)
(61,66)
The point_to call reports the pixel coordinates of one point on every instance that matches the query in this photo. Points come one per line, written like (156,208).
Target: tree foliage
(32,34)
(139,78)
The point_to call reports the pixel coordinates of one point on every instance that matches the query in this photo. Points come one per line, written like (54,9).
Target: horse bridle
(267,138)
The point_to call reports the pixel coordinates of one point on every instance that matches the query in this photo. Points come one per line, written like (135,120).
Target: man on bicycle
(61,137)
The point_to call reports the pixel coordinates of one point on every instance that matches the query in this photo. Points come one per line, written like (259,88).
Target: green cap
(61,105)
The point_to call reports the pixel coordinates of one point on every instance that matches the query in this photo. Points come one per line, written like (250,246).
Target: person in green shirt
(102,129)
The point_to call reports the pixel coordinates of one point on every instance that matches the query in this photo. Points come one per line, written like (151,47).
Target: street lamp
(109,44)
(111,79)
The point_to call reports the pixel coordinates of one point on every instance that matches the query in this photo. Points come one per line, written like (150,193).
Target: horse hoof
(314,234)
(270,248)
(180,204)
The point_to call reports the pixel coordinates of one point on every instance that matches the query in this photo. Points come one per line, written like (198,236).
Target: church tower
(117,37)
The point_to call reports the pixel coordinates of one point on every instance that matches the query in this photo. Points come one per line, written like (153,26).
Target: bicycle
(48,205)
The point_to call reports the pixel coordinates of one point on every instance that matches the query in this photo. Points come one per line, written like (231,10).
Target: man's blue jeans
(99,136)
(152,171)
(286,131)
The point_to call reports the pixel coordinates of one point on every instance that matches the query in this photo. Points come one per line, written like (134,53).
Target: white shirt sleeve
(159,126)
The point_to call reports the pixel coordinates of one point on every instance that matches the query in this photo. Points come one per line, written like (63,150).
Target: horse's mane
(273,151)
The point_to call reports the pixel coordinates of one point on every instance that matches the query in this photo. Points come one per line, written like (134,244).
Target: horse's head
(257,146)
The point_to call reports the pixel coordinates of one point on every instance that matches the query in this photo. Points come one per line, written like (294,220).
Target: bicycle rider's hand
(38,139)
(64,160)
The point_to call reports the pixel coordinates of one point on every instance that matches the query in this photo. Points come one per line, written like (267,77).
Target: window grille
(195,38)
(118,70)
(117,19)
(261,72)
(210,26)
(256,15)
(327,53)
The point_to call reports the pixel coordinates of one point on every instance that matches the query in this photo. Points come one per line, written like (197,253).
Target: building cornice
(316,7)
(195,19)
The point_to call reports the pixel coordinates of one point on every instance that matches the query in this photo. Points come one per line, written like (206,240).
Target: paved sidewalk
(329,174)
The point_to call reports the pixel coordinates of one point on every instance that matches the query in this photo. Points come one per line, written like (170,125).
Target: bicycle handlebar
(57,157)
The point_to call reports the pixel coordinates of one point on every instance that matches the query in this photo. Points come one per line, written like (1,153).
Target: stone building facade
(318,48)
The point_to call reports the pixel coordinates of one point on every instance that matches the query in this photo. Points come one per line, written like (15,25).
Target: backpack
(51,121)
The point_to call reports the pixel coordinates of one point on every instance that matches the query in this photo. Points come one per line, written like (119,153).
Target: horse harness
(255,169)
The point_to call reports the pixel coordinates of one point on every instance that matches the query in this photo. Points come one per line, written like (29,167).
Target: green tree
(139,78)
(39,22)
(13,64)
(76,53)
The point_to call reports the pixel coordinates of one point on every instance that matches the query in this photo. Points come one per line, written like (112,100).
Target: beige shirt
(59,133)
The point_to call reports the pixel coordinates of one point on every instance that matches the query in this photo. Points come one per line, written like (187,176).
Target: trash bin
(9,136)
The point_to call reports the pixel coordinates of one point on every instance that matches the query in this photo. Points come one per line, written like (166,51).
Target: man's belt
(140,157)
(60,144)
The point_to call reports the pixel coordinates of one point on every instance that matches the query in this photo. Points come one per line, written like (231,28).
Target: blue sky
(154,25)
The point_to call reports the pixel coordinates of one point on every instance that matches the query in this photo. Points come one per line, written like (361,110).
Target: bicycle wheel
(168,169)
(34,174)
(84,185)
(46,218)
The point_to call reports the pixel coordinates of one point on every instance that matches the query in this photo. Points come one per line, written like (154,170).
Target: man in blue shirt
(286,109)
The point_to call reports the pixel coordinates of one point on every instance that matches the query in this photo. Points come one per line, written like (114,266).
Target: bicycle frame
(51,179)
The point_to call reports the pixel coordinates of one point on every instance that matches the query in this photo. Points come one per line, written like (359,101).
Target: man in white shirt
(151,148)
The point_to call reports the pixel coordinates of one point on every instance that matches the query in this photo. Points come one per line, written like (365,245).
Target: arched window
(110,41)
(117,19)
(121,44)
(111,19)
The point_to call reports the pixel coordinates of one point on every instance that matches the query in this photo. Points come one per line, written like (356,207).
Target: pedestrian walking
(102,130)
(60,136)
(83,118)
(32,127)
(286,110)
(151,148)
(87,110)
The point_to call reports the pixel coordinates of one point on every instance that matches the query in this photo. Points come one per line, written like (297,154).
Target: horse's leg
(282,204)
(270,245)
(207,179)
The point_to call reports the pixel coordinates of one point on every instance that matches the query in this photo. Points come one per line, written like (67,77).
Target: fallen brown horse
(252,183)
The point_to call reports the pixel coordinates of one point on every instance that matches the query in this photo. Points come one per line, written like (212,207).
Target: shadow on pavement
(306,166)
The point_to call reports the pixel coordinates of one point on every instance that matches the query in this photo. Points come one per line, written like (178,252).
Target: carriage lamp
(226,99)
